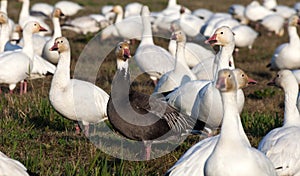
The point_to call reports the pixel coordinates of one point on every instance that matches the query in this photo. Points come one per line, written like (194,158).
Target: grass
(45,142)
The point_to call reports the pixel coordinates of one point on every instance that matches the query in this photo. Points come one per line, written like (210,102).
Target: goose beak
(211,40)
(54,47)
(251,81)
(42,29)
(174,37)
(126,54)
(271,83)
(221,83)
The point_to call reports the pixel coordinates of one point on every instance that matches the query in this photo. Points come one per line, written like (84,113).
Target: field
(32,132)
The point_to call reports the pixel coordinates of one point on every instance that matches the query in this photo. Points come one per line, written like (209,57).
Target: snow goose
(209,27)
(287,55)
(244,36)
(133,9)
(281,145)
(42,7)
(21,59)
(203,14)
(9,166)
(25,17)
(194,52)
(237,12)
(273,23)
(75,99)
(69,8)
(138,116)
(47,54)
(188,97)
(181,72)
(192,162)
(152,59)
(254,11)
(232,154)
(285,11)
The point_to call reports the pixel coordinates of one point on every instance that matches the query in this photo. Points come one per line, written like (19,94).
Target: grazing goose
(22,59)
(75,99)
(9,166)
(233,154)
(274,23)
(192,162)
(69,8)
(254,11)
(287,55)
(244,36)
(152,59)
(184,97)
(47,54)
(281,145)
(138,116)
(181,72)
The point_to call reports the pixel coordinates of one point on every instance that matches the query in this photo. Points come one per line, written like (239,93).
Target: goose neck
(4,37)
(222,59)
(57,28)
(180,53)
(28,43)
(122,65)
(3,7)
(172,3)
(24,10)
(293,35)
(291,113)
(61,75)
(147,31)
(119,16)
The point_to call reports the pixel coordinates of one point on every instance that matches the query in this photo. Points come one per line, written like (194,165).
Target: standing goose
(152,59)
(181,73)
(287,55)
(46,54)
(21,59)
(75,99)
(138,116)
(232,154)
(192,162)
(281,145)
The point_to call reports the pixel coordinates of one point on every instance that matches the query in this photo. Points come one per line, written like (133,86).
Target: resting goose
(46,54)
(181,73)
(138,116)
(287,55)
(152,59)
(244,36)
(233,154)
(281,145)
(192,162)
(9,166)
(22,59)
(75,99)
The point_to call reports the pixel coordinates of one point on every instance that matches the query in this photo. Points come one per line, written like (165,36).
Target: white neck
(4,6)
(4,36)
(24,11)
(291,113)
(222,58)
(172,3)
(147,32)
(119,16)
(57,28)
(61,75)
(28,43)
(293,35)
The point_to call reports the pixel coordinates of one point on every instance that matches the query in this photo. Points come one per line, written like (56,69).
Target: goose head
(243,80)
(222,36)
(117,9)
(179,36)
(61,44)
(122,51)
(57,13)
(145,11)
(226,81)
(294,20)
(283,79)
(3,18)
(33,27)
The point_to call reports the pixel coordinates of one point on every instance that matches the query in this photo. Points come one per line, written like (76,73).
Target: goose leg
(25,87)
(77,128)
(147,145)
(86,130)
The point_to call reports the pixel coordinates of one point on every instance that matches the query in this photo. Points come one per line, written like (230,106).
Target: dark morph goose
(138,116)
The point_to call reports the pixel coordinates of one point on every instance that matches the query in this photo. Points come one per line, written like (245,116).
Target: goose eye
(229,76)
(243,75)
(120,46)
(221,32)
(277,75)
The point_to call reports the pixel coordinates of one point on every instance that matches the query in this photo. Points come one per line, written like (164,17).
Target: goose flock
(197,84)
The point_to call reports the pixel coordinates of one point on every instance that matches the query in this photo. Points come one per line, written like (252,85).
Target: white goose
(21,59)
(244,36)
(188,97)
(69,8)
(280,144)
(237,12)
(42,7)
(133,9)
(273,23)
(287,55)
(192,162)
(233,155)
(75,99)
(254,11)
(9,166)
(46,54)
(181,73)
(152,59)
